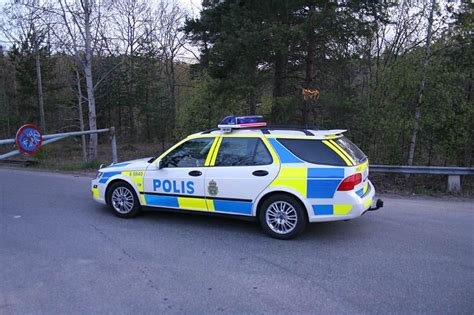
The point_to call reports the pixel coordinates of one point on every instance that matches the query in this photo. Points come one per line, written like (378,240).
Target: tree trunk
(252,96)
(279,86)
(171,79)
(173,89)
(416,127)
(4,91)
(252,102)
(39,85)
(310,63)
(81,116)
(131,95)
(92,152)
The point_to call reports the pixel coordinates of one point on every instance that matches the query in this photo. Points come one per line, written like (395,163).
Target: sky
(192,6)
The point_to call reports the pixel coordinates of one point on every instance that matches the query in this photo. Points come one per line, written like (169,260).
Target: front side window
(191,153)
(243,152)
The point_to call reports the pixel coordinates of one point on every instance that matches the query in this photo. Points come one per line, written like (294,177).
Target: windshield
(356,154)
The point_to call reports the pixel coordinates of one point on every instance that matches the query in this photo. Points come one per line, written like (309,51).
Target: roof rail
(267,129)
(293,128)
(209,131)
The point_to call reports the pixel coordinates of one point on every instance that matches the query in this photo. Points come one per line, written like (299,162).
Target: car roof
(277,132)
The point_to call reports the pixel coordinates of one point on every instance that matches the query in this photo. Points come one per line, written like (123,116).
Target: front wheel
(123,200)
(282,217)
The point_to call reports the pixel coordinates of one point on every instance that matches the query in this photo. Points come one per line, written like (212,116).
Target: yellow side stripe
(368,203)
(211,152)
(348,162)
(214,154)
(342,209)
(293,177)
(343,151)
(192,203)
(210,205)
(362,166)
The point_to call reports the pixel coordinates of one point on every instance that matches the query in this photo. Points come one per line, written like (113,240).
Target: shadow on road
(203,221)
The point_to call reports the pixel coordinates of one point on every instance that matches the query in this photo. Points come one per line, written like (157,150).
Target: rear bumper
(376,205)
(346,206)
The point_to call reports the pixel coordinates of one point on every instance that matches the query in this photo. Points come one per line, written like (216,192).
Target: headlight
(99,175)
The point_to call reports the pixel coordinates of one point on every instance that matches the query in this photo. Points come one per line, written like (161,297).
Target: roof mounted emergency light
(238,122)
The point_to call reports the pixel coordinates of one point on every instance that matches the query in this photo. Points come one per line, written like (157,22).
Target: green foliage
(255,58)
(207,107)
(42,154)
(262,48)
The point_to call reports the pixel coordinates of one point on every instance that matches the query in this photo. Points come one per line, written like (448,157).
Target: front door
(179,182)
(243,168)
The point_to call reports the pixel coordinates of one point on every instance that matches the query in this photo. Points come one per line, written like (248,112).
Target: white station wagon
(283,177)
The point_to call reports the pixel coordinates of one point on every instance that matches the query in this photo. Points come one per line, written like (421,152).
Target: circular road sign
(28,139)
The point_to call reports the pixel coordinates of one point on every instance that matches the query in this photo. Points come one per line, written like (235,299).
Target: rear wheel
(282,217)
(122,199)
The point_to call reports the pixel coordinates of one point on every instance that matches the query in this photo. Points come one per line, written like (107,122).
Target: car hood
(133,165)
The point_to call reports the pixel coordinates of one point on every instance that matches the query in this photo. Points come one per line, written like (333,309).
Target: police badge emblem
(212,188)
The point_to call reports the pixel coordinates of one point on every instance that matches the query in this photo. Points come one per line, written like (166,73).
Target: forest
(397,75)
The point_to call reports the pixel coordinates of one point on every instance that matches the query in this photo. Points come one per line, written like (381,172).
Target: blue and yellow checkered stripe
(361,192)
(338,209)
(200,203)
(310,182)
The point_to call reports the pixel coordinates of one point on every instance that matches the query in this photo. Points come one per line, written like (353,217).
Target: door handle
(260,173)
(195,173)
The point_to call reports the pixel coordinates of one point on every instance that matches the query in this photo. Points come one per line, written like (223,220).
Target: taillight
(350,182)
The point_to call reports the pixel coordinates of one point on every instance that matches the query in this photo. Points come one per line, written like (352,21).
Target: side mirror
(159,165)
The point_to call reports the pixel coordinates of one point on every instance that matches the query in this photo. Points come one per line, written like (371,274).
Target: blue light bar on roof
(236,122)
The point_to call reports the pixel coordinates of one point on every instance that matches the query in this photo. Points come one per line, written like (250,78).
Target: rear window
(313,151)
(356,154)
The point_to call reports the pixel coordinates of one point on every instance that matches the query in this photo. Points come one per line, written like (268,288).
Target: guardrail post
(454,183)
(113,143)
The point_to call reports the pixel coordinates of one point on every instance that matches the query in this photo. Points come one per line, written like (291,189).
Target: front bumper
(97,192)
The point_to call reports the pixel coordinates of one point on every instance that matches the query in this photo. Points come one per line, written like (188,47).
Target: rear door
(241,168)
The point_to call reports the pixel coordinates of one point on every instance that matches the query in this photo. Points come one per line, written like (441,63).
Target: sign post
(28,139)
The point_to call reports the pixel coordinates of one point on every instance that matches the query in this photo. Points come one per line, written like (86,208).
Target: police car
(283,177)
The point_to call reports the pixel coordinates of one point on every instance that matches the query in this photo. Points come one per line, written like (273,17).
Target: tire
(123,200)
(282,216)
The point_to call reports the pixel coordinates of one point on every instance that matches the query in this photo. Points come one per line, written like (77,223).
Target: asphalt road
(60,252)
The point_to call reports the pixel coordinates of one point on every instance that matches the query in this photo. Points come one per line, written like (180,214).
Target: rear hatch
(359,160)
(336,151)
(357,157)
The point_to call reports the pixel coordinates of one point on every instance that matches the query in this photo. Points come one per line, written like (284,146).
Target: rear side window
(313,151)
(356,154)
(242,152)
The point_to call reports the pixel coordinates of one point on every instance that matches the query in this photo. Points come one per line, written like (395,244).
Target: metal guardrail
(431,170)
(59,136)
(454,173)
